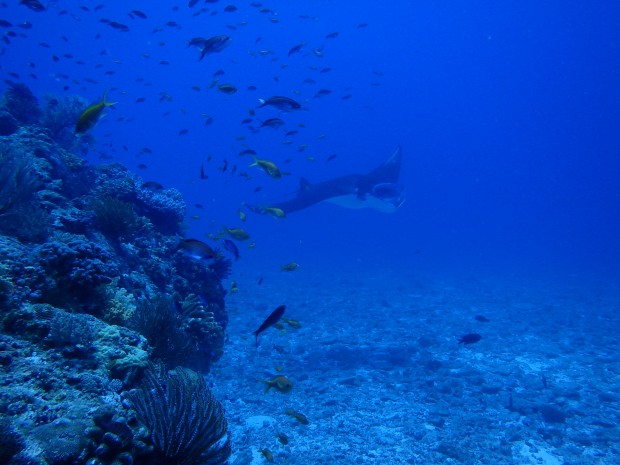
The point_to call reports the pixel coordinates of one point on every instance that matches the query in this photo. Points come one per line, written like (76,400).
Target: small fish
(138,13)
(270,321)
(300,417)
(237,233)
(89,117)
(470,338)
(296,48)
(280,383)
(281,103)
(268,167)
(267,454)
(292,323)
(282,438)
(322,92)
(118,26)
(275,212)
(290,266)
(233,287)
(272,123)
(203,175)
(227,89)
(153,186)
(232,248)
(34,5)
(196,249)
(482,318)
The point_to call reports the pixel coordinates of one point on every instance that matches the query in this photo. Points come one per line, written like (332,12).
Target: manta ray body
(378,189)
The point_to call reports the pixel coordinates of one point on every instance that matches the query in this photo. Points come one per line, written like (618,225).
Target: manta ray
(378,189)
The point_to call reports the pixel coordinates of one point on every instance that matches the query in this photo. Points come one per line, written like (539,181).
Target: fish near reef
(280,383)
(267,454)
(282,438)
(470,338)
(300,417)
(91,115)
(270,321)
(196,249)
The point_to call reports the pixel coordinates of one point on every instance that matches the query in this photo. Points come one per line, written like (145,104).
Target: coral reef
(92,290)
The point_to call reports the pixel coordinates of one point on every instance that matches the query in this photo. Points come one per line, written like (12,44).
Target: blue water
(508,115)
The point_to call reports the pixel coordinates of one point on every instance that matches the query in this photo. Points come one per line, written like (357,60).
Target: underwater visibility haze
(309,232)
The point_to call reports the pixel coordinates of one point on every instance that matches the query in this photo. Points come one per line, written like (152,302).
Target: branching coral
(187,423)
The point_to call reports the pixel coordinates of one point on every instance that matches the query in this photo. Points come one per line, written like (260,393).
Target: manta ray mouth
(390,193)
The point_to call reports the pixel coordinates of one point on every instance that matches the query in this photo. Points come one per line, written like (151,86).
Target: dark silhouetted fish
(34,5)
(470,338)
(153,186)
(281,103)
(482,318)
(196,249)
(270,321)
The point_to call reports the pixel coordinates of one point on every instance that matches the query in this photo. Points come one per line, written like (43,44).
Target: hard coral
(77,266)
(165,208)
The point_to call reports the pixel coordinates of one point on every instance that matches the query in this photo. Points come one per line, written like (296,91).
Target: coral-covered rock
(92,290)
(21,103)
(8,123)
